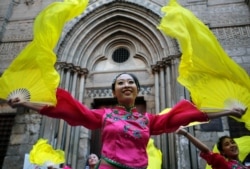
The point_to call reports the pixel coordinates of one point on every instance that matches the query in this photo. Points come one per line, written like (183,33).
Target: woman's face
(93,159)
(230,148)
(125,90)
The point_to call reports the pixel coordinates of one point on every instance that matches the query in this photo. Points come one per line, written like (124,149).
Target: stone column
(168,84)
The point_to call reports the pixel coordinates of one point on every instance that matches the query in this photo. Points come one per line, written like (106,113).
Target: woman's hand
(181,131)
(237,112)
(16,102)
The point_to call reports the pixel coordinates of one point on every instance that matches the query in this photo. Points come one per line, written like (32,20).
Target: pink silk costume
(125,133)
(217,161)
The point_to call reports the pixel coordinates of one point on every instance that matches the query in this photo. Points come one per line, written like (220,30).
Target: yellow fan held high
(32,75)
(214,80)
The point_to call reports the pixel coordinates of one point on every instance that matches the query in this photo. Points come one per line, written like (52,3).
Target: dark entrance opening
(6,124)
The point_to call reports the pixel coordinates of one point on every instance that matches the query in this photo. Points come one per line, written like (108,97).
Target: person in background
(125,131)
(92,161)
(226,159)
(66,166)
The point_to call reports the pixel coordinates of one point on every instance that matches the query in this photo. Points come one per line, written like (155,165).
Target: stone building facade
(88,57)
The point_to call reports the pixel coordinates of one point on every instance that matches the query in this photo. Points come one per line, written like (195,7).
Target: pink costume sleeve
(74,112)
(216,160)
(181,114)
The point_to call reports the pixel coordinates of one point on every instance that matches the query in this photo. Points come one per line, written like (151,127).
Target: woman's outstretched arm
(14,103)
(184,113)
(67,108)
(196,142)
(234,112)
(216,160)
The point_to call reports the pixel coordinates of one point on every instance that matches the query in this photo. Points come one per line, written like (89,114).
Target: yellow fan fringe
(211,76)
(33,69)
(154,155)
(43,153)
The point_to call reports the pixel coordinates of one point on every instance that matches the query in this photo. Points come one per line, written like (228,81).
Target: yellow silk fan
(154,155)
(214,80)
(32,76)
(43,153)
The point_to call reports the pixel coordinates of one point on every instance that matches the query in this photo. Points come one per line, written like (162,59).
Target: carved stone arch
(151,6)
(89,41)
(115,43)
(120,41)
(94,30)
(98,60)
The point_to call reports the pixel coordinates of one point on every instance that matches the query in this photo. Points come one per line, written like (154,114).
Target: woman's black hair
(220,142)
(130,74)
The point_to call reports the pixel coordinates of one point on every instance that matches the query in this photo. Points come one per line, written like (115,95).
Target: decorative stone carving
(107,92)
(29,2)
(233,36)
